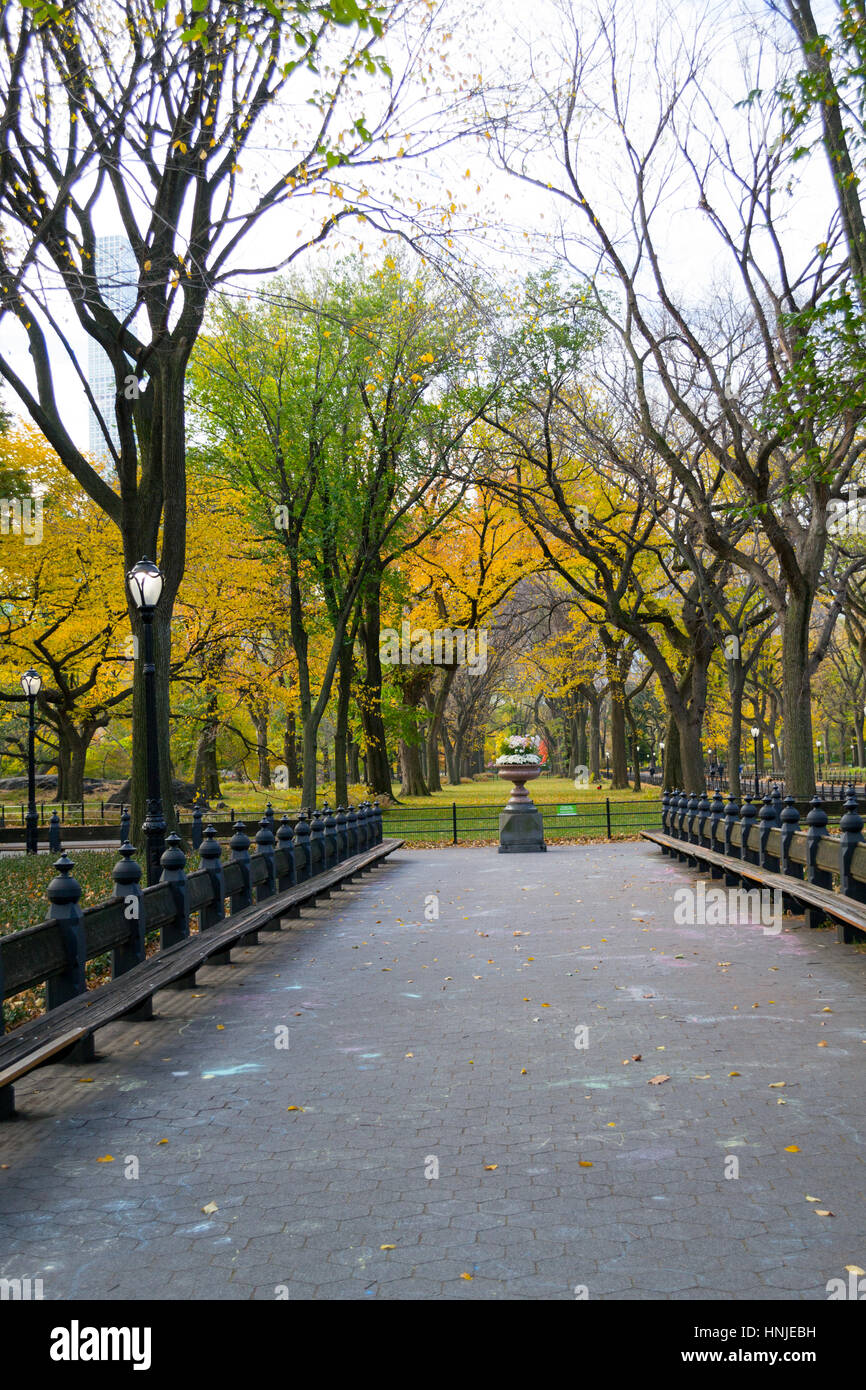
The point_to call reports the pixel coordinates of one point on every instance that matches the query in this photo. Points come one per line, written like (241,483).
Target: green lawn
(543,790)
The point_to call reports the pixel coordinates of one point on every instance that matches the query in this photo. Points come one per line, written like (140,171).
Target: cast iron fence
(602,818)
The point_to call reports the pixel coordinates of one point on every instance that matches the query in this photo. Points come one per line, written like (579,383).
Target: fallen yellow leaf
(582,1163)
(824,1213)
(387,1247)
(220,1026)
(467,1276)
(812,1199)
(774,1084)
(85,1080)
(210,1208)
(734,1073)
(294,1107)
(855,1269)
(109,1158)
(490,1167)
(822,1044)
(792,1149)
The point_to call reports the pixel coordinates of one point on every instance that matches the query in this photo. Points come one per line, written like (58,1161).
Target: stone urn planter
(519,774)
(521,828)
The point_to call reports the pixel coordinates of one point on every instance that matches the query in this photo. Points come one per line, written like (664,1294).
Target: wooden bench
(66,1030)
(824,902)
(766,846)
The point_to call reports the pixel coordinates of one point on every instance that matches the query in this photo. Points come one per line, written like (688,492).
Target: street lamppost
(145,586)
(662,757)
(31,684)
(818,746)
(755,733)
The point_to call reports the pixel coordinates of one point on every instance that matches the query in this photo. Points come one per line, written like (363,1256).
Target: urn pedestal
(521,828)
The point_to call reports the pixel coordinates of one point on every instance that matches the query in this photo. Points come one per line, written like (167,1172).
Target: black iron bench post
(816,821)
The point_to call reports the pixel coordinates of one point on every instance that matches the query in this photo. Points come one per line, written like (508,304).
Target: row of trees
(639,484)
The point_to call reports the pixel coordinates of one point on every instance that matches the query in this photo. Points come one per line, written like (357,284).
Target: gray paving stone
(392,1066)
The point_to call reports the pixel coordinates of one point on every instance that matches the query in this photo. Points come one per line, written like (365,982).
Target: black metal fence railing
(602,818)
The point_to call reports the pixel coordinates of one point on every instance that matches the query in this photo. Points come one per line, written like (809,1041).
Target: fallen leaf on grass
(657,1080)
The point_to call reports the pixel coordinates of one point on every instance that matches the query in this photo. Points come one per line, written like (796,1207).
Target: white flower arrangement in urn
(520,750)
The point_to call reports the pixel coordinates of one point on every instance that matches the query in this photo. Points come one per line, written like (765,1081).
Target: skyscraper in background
(117,275)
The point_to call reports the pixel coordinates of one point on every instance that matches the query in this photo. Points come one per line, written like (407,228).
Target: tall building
(117,276)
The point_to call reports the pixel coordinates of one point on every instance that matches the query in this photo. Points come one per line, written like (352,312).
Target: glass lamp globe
(145,582)
(31,682)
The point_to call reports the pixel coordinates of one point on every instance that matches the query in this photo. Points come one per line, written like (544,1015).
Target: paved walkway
(417,1046)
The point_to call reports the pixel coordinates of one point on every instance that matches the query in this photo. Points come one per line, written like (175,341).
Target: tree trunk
(594,740)
(341,730)
(736,685)
(290,750)
(437,711)
(673,767)
(580,729)
(619,761)
(206,774)
(692,755)
(63,756)
(799,765)
(354,771)
(412,783)
(369,693)
(451,762)
(260,715)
